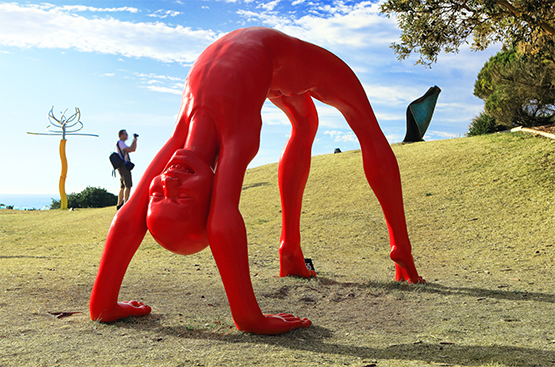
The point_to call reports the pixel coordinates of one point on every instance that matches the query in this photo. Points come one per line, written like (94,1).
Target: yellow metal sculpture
(69,126)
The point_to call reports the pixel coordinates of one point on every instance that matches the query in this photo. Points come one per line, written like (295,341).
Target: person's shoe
(118,207)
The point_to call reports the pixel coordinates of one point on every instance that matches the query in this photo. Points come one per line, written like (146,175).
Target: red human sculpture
(189,195)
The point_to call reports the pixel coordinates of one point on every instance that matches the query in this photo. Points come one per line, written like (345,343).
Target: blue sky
(123,64)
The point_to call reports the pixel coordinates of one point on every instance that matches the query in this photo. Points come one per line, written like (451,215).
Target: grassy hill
(481,216)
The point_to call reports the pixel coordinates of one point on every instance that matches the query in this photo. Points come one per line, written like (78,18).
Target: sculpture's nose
(170,185)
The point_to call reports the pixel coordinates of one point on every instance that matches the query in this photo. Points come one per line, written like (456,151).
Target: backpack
(117,162)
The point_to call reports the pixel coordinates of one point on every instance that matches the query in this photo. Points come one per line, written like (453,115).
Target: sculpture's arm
(124,237)
(228,242)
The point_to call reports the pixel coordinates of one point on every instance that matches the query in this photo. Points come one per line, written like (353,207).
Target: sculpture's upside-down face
(179,203)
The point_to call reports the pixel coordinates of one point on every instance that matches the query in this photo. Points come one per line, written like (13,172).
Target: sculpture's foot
(276,324)
(123,310)
(405,270)
(291,262)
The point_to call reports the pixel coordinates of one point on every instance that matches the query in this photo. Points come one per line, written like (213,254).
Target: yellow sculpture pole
(63,196)
(64,123)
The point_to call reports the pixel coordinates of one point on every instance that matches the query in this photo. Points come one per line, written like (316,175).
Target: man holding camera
(124,172)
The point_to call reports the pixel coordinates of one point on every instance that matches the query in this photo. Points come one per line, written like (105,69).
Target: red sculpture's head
(179,203)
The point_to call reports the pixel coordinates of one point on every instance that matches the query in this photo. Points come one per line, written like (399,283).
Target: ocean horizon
(28,201)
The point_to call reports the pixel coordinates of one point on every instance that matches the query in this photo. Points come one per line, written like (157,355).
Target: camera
(136,135)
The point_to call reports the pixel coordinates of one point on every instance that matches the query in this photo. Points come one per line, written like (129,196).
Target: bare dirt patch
(546,128)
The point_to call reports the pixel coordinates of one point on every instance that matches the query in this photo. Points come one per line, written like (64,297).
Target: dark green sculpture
(419,115)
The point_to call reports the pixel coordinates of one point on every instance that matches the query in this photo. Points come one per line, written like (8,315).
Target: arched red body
(189,195)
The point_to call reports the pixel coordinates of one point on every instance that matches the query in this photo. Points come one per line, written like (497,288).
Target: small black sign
(309,264)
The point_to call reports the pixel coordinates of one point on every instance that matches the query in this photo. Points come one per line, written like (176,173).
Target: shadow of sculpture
(322,340)
(256,184)
(318,340)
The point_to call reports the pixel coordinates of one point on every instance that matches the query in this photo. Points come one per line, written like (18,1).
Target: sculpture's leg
(343,90)
(228,238)
(382,173)
(293,171)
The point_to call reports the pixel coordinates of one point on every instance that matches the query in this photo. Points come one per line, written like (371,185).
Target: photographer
(124,171)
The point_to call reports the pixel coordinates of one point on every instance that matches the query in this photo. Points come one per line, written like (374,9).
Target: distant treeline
(91,197)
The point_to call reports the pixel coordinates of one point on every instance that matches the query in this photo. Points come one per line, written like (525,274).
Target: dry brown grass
(481,217)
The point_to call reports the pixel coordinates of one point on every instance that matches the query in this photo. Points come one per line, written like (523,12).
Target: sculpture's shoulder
(243,42)
(256,34)
(270,39)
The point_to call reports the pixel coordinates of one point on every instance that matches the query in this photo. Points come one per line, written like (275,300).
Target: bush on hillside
(91,197)
(482,124)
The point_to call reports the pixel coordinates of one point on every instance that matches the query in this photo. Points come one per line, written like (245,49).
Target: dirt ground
(546,128)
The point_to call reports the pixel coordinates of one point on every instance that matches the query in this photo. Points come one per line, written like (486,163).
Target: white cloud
(358,25)
(164,14)
(462,110)
(389,116)
(162,83)
(353,30)
(392,95)
(164,90)
(394,138)
(342,136)
(271,115)
(163,77)
(438,135)
(328,116)
(269,6)
(52,27)
(82,8)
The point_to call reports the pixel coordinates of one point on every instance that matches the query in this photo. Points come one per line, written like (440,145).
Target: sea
(27,201)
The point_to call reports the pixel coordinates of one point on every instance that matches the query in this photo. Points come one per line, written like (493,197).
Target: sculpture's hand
(124,309)
(277,324)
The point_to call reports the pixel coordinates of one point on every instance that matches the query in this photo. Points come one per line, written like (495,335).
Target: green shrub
(482,124)
(91,197)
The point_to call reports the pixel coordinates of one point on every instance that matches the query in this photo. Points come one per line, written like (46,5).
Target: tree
(432,26)
(91,197)
(518,89)
(96,197)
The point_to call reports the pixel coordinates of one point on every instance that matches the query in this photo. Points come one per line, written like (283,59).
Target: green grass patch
(481,217)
